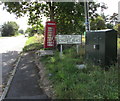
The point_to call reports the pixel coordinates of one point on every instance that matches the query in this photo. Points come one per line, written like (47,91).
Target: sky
(112,6)
(6,16)
(22,22)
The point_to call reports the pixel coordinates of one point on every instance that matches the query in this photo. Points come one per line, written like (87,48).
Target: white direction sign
(68,39)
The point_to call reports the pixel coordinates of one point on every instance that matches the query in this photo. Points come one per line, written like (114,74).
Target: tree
(114,18)
(93,10)
(14,25)
(7,30)
(30,31)
(98,23)
(39,29)
(69,16)
(10,29)
(117,27)
(103,6)
(109,26)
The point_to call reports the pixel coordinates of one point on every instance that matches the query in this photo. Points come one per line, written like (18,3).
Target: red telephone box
(49,35)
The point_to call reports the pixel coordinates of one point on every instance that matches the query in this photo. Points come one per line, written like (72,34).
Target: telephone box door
(50,33)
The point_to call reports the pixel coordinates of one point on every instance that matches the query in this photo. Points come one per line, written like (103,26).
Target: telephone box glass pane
(50,36)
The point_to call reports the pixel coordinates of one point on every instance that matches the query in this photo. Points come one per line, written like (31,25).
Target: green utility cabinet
(101,47)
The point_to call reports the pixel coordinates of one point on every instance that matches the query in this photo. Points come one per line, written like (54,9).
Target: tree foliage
(117,27)
(114,18)
(109,26)
(39,29)
(98,23)
(68,15)
(10,29)
(30,31)
(70,18)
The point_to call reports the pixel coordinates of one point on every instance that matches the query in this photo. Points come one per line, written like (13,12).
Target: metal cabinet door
(102,45)
(92,47)
(95,47)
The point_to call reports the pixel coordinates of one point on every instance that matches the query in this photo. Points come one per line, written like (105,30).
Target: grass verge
(18,34)
(70,82)
(33,43)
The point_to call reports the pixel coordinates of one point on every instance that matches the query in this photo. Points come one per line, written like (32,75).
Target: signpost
(68,39)
(49,35)
(86,8)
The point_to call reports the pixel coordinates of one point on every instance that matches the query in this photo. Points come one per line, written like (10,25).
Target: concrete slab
(45,52)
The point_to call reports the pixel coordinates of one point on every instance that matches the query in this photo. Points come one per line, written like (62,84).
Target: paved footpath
(25,82)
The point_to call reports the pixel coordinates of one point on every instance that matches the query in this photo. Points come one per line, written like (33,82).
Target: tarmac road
(10,47)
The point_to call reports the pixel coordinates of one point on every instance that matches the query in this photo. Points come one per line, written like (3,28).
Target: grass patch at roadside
(70,82)
(18,34)
(33,43)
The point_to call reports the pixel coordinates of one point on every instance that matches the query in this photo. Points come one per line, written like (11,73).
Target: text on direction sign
(68,39)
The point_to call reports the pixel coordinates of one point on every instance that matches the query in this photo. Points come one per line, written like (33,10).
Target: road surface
(10,47)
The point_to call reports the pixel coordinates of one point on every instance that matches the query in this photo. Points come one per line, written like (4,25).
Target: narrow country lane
(10,47)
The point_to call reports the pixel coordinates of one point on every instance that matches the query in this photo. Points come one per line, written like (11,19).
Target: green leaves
(68,15)
(98,23)
(10,29)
